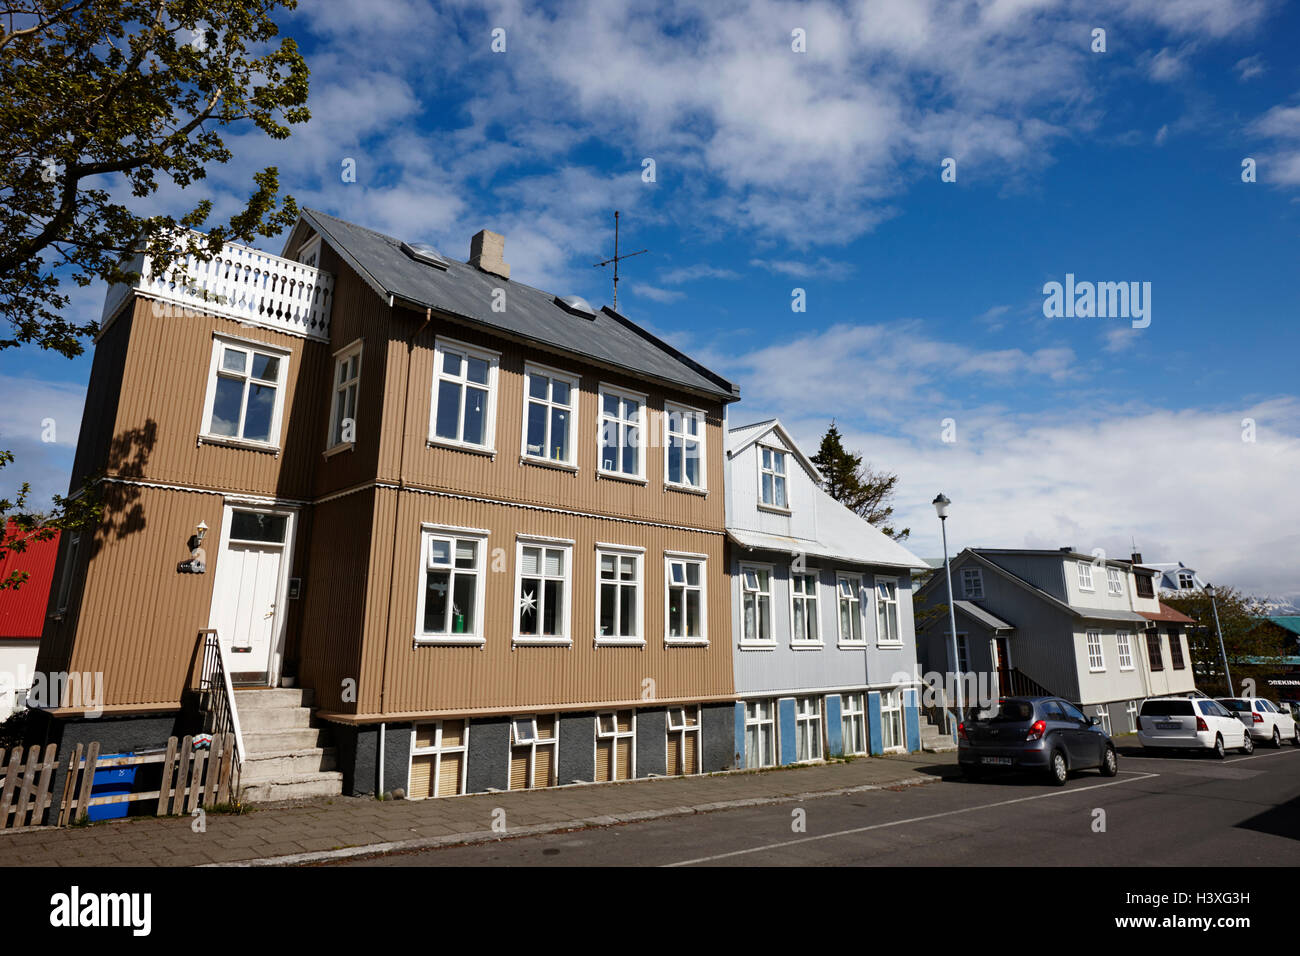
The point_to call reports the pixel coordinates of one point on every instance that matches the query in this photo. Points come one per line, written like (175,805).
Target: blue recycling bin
(111,782)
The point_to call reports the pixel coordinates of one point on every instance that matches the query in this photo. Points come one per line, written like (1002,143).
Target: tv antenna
(616,258)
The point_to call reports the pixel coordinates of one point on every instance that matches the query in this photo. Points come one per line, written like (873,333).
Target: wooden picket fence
(190,778)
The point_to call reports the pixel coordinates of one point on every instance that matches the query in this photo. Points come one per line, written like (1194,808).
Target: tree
(1248,644)
(858,487)
(101,99)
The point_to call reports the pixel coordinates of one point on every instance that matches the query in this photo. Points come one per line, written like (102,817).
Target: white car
(1191,723)
(1264,719)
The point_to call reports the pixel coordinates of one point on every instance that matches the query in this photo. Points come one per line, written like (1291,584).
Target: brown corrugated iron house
(479,527)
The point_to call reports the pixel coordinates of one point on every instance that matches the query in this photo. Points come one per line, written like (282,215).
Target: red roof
(1167,615)
(22,609)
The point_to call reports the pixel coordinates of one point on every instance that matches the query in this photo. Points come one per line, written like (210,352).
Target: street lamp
(941,509)
(1215,607)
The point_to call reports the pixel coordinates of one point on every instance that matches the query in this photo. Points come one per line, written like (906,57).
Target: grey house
(1061,622)
(824,647)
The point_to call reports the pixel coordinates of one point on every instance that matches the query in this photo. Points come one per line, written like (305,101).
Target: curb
(538,829)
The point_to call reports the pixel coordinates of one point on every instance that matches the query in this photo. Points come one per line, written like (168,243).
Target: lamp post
(941,509)
(1214,605)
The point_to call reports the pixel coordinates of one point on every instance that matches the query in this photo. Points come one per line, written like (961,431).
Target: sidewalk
(353,826)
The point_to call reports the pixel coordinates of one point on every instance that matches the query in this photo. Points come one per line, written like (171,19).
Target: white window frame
(764,715)
(1096,662)
(854,582)
(1124,650)
(808,729)
(1103,718)
(783,475)
(851,715)
(1131,709)
(812,597)
(570,379)
(682,728)
(882,606)
(1114,582)
(618,553)
(352,384)
(439,750)
(891,719)
(1186,581)
(533,743)
(1085,575)
(566,618)
(441,347)
(620,423)
(671,557)
(963,651)
(973,576)
(615,735)
(428,534)
(69,573)
(309,252)
(219,344)
(746,569)
(671,409)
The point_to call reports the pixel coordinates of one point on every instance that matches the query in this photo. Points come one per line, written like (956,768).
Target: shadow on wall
(127,456)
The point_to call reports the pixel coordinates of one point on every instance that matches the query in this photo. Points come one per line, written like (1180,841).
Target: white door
(248,593)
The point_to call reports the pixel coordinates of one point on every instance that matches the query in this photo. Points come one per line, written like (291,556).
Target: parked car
(1264,719)
(1289,707)
(1196,723)
(1045,734)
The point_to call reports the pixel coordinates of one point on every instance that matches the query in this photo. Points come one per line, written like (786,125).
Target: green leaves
(863,491)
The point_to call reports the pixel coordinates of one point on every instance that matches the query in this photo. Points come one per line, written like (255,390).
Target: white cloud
(1250,67)
(1167,66)
(699,271)
(655,294)
(822,268)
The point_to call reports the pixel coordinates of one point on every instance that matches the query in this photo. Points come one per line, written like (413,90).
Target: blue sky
(777,170)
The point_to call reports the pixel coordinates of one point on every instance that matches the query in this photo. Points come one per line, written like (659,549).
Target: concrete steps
(934,740)
(285,758)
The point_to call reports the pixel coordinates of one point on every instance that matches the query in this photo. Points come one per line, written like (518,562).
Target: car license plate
(998,761)
(1167,725)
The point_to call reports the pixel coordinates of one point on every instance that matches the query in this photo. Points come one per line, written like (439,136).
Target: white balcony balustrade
(240,283)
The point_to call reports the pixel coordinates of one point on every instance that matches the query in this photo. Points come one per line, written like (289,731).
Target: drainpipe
(392,564)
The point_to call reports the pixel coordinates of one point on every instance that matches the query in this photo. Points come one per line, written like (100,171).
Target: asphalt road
(1183,810)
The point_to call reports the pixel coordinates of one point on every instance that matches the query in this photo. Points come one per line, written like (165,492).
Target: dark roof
(977,613)
(22,609)
(466,292)
(1168,614)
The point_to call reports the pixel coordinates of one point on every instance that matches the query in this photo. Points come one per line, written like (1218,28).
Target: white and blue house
(823,636)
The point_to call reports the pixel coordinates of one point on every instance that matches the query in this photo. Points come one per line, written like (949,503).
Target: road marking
(931,816)
(1292,751)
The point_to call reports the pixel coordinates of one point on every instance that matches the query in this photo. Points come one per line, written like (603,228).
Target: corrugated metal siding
(507,477)
(22,609)
(1043,571)
(100,413)
(440,678)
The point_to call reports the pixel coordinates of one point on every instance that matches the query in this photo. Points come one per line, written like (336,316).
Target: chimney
(485,251)
(1137,557)
(1068,549)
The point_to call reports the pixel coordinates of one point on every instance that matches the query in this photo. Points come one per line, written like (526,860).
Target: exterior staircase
(933,739)
(285,757)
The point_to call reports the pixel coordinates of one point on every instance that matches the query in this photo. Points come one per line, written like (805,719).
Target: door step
(285,756)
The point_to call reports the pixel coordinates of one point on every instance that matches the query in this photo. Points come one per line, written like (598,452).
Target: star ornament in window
(528,603)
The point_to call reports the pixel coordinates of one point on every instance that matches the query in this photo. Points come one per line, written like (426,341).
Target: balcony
(239,283)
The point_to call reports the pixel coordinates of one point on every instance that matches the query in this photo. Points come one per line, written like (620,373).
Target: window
(615,732)
(550,414)
(1145,587)
(347,382)
(1096,660)
(245,397)
(771,478)
(848,590)
(532,752)
(808,728)
(464,389)
(1131,711)
(1085,575)
(622,417)
(887,611)
(756,587)
(543,592)
(1124,648)
(69,573)
(618,597)
(854,720)
(451,600)
(1186,581)
(686,600)
(438,759)
(760,734)
(1103,717)
(1114,583)
(684,463)
(1154,657)
(803,595)
(963,655)
(891,720)
(972,582)
(683,751)
(1176,649)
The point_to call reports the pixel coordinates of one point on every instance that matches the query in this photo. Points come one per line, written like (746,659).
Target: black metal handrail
(217,696)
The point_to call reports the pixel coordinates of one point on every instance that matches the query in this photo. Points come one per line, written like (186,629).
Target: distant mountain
(1279,607)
